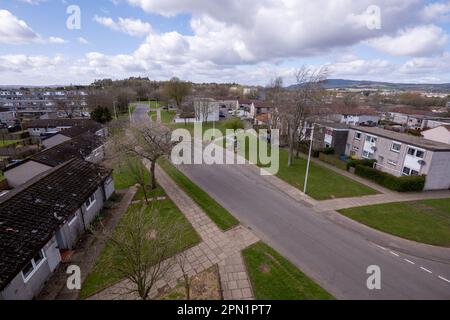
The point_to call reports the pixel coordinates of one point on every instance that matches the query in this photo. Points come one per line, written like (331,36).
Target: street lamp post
(114,107)
(309,159)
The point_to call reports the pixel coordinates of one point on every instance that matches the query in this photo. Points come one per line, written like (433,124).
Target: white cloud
(82,40)
(437,10)
(247,32)
(15,31)
(33,2)
(133,27)
(56,40)
(417,41)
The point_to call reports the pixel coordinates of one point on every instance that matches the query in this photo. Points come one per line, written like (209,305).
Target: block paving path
(217,247)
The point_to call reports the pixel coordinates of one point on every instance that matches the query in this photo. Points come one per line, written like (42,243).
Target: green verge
(426,221)
(104,274)
(323,183)
(221,217)
(123,179)
(275,278)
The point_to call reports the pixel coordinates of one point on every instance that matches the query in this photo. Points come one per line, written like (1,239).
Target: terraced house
(44,217)
(401,154)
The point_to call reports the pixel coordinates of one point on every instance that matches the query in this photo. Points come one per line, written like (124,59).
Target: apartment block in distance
(400,154)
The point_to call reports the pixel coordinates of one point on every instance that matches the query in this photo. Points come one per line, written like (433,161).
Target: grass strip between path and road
(275,278)
(426,221)
(218,214)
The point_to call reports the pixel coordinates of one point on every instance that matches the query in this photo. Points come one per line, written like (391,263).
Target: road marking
(426,270)
(442,278)
(393,253)
(409,261)
(382,248)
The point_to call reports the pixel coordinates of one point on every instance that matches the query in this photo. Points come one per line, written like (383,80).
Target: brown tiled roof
(263,117)
(30,215)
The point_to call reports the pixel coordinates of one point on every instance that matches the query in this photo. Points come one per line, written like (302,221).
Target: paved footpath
(217,247)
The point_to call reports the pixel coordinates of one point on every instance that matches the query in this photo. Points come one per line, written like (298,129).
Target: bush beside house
(400,184)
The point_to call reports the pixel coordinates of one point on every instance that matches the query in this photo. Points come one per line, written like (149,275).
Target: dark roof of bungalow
(31,214)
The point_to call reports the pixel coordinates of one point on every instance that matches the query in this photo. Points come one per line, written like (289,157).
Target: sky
(61,42)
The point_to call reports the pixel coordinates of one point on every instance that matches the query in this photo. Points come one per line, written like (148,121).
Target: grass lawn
(123,180)
(426,221)
(5,143)
(221,217)
(275,278)
(103,273)
(323,183)
(220,125)
(167,116)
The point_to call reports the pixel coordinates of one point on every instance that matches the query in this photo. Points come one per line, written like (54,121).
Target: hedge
(400,184)
(364,162)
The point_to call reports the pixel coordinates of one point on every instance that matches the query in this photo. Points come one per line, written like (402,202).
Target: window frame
(35,266)
(358,133)
(398,144)
(90,201)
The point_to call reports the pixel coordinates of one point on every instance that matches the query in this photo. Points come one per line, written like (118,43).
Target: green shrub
(364,162)
(400,184)
(328,151)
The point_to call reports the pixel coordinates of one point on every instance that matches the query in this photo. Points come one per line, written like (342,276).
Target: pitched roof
(75,131)
(78,147)
(405,138)
(30,215)
(53,123)
(264,117)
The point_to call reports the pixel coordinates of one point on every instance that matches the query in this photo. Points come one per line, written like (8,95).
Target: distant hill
(364,84)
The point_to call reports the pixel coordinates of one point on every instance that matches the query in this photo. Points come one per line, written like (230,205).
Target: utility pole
(309,158)
(114,107)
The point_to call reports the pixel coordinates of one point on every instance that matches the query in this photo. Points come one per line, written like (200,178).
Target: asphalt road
(336,257)
(141,112)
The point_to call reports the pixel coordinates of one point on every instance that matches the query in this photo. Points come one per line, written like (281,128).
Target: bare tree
(274,99)
(299,103)
(187,111)
(143,245)
(138,173)
(182,261)
(177,90)
(145,140)
(203,108)
(65,106)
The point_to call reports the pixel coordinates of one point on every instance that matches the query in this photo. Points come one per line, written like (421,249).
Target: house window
(416,153)
(90,202)
(392,163)
(371,139)
(367,155)
(33,265)
(410,172)
(73,220)
(396,147)
(358,135)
